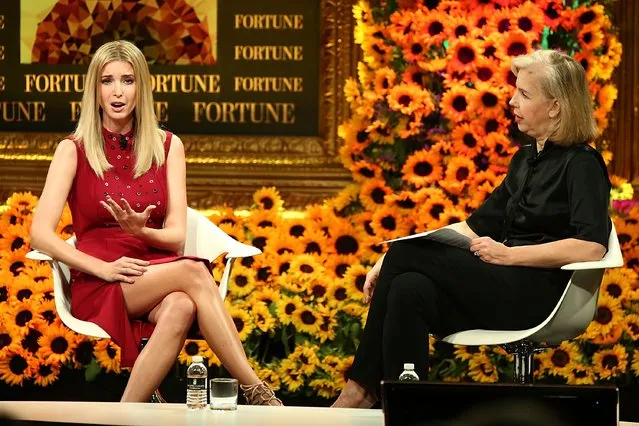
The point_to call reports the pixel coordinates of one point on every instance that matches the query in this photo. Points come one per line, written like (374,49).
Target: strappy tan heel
(260,394)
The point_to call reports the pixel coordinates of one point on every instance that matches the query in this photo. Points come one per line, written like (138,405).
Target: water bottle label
(196,384)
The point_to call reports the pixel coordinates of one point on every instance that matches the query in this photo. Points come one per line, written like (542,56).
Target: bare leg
(173,318)
(192,278)
(354,396)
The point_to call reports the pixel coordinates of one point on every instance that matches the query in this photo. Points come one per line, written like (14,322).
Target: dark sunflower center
(389,223)
(308,318)
(489,99)
(416,49)
(366,172)
(435,28)
(466,55)
(580,374)
(341,269)
(588,37)
(517,48)
(30,341)
(17,365)
(297,230)
(378,49)
(587,17)
(491,125)
(264,273)
(360,280)
(227,220)
(462,174)
(259,242)
(481,22)
(423,168)
(25,293)
(610,361)
(111,352)
(239,324)
(267,203)
(16,267)
(44,370)
(362,136)
(436,210)
(307,269)
(313,247)
(284,250)
(614,290)
(265,224)
(340,294)
(368,228)
(634,328)
(503,25)
(4,294)
(406,203)
(84,353)
(469,140)
(284,267)
(241,281)
(604,315)
(23,317)
(68,229)
(460,104)
(560,358)
(289,308)
(346,244)
(59,345)
(191,349)
(525,24)
(378,195)
(490,51)
(404,100)
(247,262)
(484,73)
(5,340)
(551,12)
(17,243)
(461,30)
(319,290)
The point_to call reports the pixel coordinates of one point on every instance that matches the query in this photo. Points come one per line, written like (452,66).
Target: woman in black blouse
(550,210)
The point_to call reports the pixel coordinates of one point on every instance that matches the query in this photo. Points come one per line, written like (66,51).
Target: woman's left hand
(130,221)
(490,251)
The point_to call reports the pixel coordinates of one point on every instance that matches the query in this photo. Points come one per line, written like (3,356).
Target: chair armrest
(242,250)
(38,255)
(597,264)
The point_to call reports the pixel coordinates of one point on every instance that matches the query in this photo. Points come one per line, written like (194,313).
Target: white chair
(576,308)
(203,239)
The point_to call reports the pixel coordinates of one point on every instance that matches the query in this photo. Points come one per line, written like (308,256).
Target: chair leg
(523,352)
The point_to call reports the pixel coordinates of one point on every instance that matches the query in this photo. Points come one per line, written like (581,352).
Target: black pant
(426,288)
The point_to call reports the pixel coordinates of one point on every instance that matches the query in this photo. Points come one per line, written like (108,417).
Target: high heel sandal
(260,394)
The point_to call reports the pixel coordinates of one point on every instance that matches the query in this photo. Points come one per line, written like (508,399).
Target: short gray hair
(564,79)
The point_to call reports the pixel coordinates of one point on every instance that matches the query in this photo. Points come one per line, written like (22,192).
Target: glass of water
(223,394)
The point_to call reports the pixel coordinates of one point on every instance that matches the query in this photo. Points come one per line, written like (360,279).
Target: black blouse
(561,192)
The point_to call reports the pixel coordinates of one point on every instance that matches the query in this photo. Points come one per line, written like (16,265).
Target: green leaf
(544,38)
(92,371)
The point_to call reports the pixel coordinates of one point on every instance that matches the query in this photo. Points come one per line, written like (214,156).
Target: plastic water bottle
(196,384)
(409,375)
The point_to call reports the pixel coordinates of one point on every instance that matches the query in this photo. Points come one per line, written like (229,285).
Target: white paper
(443,235)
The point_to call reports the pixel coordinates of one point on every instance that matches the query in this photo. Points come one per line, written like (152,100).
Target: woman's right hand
(123,269)
(371,279)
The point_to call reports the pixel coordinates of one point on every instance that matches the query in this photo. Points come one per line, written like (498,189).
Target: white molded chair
(576,308)
(203,239)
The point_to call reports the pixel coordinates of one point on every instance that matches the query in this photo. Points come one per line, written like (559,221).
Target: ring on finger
(476,253)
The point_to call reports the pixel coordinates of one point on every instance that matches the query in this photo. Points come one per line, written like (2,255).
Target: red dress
(99,235)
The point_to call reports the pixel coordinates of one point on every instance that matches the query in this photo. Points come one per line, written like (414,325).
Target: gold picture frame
(228,169)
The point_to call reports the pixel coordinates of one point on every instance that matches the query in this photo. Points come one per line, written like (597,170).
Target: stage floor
(128,414)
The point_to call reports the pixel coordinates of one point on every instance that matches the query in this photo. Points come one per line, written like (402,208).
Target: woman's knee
(179,308)
(195,275)
(408,288)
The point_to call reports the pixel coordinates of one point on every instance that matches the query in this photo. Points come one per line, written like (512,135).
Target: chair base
(523,352)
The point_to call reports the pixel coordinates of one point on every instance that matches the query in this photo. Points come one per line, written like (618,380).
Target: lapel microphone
(123,143)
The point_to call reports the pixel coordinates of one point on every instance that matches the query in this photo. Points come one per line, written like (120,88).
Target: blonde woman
(550,210)
(124,179)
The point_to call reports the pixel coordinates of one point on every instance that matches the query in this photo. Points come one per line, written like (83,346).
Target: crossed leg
(187,284)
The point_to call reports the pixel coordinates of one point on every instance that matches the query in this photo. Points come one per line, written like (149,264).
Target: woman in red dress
(125,182)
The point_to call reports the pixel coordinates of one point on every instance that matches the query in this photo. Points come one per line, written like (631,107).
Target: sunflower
(498,22)
(57,343)
(17,365)
(83,352)
(337,294)
(376,53)
(190,349)
(627,235)
(611,337)
(264,321)
(328,323)
(588,61)
(514,43)
(343,239)
(635,362)
(293,283)
(585,15)
(462,55)
(317,288)
(268,199)
(65,226)
(243,322)
(615,284)
(21,314)
(465,353)
(580,374)
(388,223)
(242,281)
(363,170)
(457,103)
(373,193)
(490,100)
(609,313)
(314,242)
(306,356)
(460,169)
(428,214)
(46,372)
(326,388)
(434,26)
(609,363)
(481,369)
(24,289)
(354,281)
(552,12)
(450,216)
(631,326)
(265,296)
(107,354)
(351,92)
(14,261)
(306,265)
(23,200)
(528,17)
(294,227)
(354,310)
(338,264)
(8,336)
(225,215)
(286,307)
(290,375)
(306,320)
(558,361)
(15,239)
(262,220)
(467,139)
(590,37)
(422,168)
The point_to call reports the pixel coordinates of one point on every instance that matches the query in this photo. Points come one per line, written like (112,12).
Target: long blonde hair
(564,79)
(149,139)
